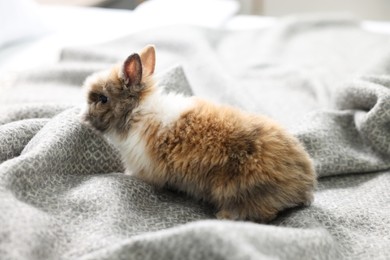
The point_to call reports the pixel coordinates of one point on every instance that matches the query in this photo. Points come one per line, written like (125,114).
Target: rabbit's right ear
(148,58)
(132,70)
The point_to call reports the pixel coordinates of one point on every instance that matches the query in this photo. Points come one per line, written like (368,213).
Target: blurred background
(33,32)
(363,9)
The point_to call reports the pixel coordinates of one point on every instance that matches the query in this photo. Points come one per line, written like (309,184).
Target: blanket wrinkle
(63,194)
(18,133)
(371,95)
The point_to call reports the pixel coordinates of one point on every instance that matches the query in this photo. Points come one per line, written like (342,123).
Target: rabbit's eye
(103,99)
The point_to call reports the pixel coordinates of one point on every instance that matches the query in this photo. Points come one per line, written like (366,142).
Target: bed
(63,194)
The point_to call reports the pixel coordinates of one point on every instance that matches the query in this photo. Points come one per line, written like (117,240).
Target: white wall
(365,9)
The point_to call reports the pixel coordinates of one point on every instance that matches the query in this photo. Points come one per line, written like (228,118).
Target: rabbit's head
(113,95)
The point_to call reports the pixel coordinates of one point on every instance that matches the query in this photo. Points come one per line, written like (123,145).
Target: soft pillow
(208,13)
(19,20)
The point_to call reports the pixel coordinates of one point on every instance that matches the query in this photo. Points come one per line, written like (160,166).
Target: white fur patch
(133,151)
(166,108)
(158,107)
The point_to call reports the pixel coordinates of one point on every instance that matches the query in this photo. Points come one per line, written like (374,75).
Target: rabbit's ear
(148,58)
(132,70)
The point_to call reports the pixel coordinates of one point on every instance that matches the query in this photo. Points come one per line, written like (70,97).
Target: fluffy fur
(246,165)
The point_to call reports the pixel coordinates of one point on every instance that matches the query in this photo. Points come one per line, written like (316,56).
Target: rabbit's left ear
(132,70)
(148,58)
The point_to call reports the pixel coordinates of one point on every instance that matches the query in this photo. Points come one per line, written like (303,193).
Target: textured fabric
(63,194)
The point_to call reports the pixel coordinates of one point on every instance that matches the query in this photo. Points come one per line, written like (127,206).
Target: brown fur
(246,165)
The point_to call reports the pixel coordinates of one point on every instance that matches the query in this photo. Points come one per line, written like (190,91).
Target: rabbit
(245,165)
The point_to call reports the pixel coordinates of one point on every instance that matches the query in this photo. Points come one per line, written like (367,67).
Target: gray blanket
(63,194)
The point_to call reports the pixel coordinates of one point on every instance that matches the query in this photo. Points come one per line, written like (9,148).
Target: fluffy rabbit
(246,165)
